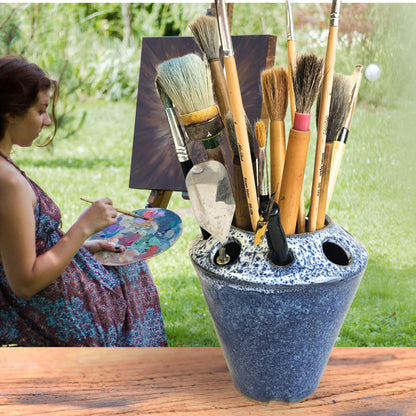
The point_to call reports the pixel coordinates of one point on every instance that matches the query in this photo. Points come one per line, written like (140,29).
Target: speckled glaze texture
(277,325)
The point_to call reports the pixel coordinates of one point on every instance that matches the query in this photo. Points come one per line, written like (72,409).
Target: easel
(259,50)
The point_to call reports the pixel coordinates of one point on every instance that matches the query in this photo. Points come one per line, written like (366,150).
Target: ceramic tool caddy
(277,325)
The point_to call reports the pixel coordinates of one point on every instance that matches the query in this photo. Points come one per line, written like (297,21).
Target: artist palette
(146,236)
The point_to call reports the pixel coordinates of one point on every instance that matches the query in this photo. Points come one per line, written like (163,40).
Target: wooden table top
(193,382)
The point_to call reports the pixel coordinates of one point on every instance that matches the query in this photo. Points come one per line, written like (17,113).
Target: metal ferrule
(224,29)
(334,19)
(177,136)
(290,31)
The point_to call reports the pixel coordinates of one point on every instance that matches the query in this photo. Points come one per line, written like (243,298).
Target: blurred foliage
(94,48)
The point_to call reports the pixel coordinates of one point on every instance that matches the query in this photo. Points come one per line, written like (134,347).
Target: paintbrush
(237,110)
(291,52)
(178,136)
(323,113)
(307,79)
(263,182)
(340,95)
(275,93)
(340,142)
(187,82)
(175,129)
(121,211)
(206,34)
(241,217)
(276,239)
(265,201)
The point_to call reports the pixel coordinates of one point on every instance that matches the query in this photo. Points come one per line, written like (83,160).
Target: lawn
(374,200)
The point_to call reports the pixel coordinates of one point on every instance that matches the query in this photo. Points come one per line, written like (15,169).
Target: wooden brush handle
(213,153)
(241,216)
(292,180)
(242,139)
(323,195)
(301,225)
(277,154)
(220,86)
(337,154)
(322,125)
(291,51)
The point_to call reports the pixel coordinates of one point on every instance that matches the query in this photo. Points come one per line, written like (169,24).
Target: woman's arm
(26,273)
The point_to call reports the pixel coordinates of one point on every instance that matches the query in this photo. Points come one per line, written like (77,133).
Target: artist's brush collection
(205,92)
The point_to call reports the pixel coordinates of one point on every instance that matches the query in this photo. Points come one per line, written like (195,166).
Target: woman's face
(23,130)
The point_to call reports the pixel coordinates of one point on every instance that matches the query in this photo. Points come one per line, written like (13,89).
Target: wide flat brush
(324,113)
(340,142)
(178,136)
(340,95)
(275,94)
(306,83)
(238,113)
(187,82)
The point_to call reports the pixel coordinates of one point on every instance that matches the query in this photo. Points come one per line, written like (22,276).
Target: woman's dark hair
(20,83)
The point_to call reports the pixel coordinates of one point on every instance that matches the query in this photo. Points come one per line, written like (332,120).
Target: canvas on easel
(154,163)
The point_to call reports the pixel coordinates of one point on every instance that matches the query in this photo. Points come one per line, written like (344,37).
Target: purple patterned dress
(88,305)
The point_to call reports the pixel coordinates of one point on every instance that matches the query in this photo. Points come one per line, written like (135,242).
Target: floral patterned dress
(88,305)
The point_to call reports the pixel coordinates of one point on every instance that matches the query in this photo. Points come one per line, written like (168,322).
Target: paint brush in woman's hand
(324,113)
(306,83)
(121,211)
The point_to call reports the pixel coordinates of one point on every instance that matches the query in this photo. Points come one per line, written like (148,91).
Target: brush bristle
(261,133)
(232,137)
(275,91)
(206,34)
(187,81)
(307,79)
(164,98)
(340,95)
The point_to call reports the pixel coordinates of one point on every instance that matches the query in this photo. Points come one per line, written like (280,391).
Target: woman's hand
(93,246)
(96,217)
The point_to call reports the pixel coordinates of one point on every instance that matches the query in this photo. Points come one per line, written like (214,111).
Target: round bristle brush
(340,96)
(275,93)
(307,80)
(188,84)
(340,142)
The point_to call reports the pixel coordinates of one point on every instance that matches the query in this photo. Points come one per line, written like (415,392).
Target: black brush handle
(276,239)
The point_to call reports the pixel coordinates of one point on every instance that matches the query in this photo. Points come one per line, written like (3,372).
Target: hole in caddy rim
(335,252)
(232,248)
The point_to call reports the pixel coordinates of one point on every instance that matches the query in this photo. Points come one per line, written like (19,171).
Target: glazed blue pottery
(277,325)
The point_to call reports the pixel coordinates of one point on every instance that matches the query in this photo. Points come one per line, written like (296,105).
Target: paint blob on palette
(154,232)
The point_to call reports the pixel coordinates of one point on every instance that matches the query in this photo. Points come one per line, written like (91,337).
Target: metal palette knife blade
(212,199)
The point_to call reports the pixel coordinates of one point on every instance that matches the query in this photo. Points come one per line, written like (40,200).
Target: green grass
(374,200)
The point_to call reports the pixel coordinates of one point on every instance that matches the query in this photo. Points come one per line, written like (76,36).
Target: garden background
(94,51)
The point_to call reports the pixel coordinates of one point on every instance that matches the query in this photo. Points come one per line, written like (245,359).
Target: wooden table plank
(193,381)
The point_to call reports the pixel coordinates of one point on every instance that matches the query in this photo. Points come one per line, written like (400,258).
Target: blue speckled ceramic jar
(277,325)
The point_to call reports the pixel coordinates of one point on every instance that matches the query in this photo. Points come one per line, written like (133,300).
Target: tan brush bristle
(261,133)
(275,92)
(206,34)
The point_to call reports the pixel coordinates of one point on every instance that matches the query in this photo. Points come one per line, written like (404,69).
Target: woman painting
(53,292)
